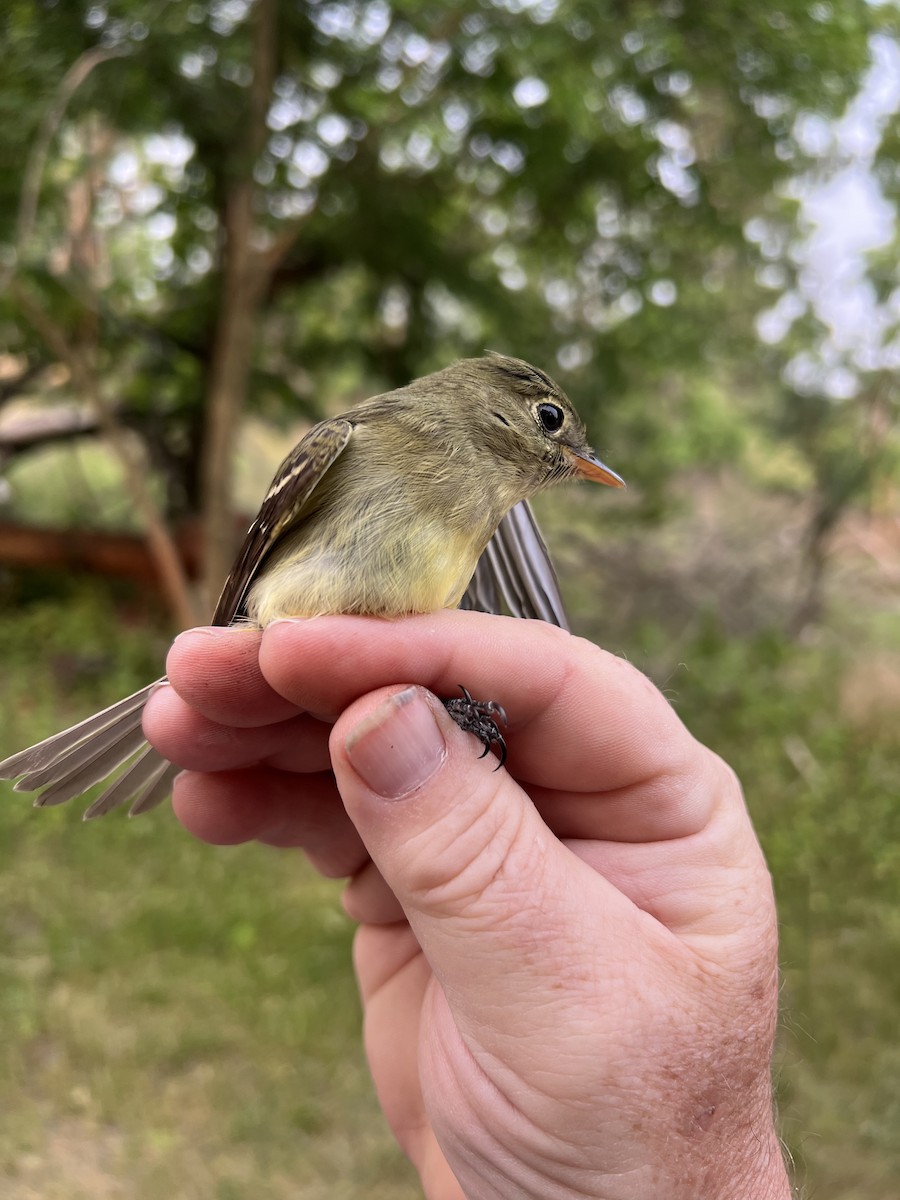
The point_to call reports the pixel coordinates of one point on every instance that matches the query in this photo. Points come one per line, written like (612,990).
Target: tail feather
(155,791)
(138,781)
(76,782)
(53,747)
(70,762)
(97,750)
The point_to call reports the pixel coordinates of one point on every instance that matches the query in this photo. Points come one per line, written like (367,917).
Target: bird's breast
(381,566)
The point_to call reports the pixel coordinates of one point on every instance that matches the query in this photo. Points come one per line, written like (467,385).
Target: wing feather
(297,479)
(515,570)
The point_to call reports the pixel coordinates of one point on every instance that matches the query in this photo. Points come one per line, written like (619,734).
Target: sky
(844,216)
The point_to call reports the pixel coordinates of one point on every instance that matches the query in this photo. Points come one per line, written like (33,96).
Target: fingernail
(206,630)
(399,746)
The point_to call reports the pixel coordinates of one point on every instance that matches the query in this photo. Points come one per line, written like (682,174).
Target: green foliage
(77,485)
(565,180)
(67,646)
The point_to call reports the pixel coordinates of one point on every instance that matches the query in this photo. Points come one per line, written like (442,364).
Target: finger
(369,900)
(483,883)
(273,807)
(669,805)
(705,888)
(580,720)
(186,737)
(216,671)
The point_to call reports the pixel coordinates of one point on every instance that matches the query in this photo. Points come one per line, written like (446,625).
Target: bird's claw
(481,717)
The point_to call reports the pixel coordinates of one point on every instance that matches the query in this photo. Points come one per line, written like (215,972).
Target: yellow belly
(403,570)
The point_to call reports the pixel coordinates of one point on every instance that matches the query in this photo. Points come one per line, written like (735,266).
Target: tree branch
(159,540)
(37,157)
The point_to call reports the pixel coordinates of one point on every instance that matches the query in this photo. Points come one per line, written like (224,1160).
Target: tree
(290,199)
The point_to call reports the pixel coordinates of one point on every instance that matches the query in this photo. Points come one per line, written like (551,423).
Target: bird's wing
(515,570)
(300,474)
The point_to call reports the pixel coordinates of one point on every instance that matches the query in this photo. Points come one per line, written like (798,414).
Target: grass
(178,1020)
(823,793)
(182,1020)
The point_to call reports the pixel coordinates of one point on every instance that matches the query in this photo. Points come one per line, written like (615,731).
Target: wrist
(708,1142)
(763,1176)
(746,1160)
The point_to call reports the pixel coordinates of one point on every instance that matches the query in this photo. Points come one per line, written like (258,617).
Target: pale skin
(568,967)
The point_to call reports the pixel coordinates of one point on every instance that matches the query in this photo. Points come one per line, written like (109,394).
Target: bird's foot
(481,717)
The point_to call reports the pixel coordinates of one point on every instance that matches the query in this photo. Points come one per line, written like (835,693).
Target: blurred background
(221,220)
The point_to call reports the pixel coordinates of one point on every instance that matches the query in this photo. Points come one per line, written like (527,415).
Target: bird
(411,501)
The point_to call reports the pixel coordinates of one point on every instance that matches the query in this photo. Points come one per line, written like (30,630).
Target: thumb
(497,903)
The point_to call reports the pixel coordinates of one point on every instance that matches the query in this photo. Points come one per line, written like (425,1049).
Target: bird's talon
(481,717)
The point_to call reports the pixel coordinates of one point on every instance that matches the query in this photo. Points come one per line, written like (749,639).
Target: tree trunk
(827,515)
(244,282)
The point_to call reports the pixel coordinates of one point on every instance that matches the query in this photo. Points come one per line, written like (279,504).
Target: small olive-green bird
(413,501)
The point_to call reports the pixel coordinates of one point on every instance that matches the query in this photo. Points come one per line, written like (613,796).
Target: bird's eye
(551,417)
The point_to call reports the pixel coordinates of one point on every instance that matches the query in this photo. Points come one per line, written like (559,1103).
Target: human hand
(568,967)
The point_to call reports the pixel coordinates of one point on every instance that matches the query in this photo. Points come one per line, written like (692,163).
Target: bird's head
(526,421)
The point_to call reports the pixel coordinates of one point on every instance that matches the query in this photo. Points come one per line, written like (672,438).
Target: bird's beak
(587,465)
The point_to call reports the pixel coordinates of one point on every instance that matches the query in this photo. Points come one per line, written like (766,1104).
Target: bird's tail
(68,763)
